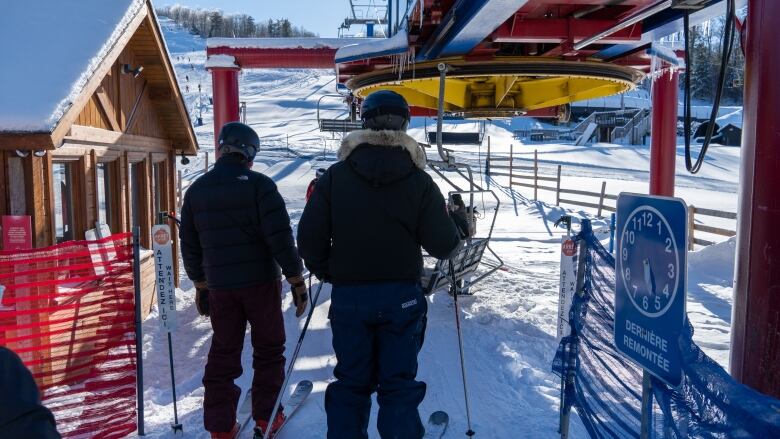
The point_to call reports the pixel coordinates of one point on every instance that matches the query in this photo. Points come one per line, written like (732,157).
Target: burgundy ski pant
(230,310)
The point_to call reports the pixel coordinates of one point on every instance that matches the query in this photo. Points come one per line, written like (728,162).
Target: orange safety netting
(68,311)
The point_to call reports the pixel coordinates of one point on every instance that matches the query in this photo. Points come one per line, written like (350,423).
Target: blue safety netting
(606,388)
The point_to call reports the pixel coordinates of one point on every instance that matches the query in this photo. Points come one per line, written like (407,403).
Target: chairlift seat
(464,262)
(453,138)
(339,125)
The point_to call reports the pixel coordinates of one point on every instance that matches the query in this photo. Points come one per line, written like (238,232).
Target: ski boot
(232,434)
(262,425)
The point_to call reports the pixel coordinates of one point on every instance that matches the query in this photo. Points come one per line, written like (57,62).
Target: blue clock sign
(651,282)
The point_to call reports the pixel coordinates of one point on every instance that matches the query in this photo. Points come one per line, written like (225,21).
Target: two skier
(236,242)
(362,231)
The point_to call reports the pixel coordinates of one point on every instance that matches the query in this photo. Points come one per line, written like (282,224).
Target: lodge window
(104,199)
(62,173)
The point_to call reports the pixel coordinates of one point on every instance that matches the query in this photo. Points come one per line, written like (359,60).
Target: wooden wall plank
(94,199)
(144,194)
(128,219)
(39,198)
(117,206)
(170,165)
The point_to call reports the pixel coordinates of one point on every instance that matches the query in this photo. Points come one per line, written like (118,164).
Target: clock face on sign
(651,281)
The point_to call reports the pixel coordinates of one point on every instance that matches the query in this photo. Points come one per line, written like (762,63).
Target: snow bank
(221,61)
(398,43)
(52,48)
(285,43)
(715,261)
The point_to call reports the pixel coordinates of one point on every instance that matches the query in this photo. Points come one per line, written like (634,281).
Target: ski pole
(454,287)
(294,357)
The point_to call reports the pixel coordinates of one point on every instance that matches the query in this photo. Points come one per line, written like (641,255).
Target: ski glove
(299,293)
(202,298)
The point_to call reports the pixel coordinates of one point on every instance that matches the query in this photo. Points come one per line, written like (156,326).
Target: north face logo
(243,177)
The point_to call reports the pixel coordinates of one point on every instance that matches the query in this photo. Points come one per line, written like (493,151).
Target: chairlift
(336,125)
(470,257)
(457,138)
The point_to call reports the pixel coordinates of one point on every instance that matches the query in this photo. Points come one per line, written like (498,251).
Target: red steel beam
(557,30)
(755,332)
(663,149)
(298,58)
(225,88)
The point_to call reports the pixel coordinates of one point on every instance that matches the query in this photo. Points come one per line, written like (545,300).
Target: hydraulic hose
(728,41)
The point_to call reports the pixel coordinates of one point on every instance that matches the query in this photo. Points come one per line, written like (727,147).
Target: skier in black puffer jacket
(362,230)
(21,413)
(235,235)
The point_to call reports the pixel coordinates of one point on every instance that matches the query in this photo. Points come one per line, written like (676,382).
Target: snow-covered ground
(508,325)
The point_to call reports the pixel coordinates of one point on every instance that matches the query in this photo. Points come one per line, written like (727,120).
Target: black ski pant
(230,310)
(378,330)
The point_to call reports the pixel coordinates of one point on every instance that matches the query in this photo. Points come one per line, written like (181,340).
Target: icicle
(422,7)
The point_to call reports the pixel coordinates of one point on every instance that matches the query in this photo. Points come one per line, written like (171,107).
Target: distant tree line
(214,23)
(706,55)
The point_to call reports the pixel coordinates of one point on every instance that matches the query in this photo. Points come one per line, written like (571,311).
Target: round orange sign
(162,237)
(569,248)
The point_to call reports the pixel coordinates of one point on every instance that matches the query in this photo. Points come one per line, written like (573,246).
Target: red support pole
(663,150)
(755,332)
(225,85)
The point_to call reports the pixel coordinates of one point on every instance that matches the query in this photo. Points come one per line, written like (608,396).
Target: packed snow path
(509,323)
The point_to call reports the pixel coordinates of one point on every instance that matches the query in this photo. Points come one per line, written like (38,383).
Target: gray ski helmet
(385,110)
(236,137)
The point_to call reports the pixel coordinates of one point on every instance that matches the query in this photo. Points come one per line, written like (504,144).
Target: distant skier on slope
(313,183)
(235,234)
(362,230)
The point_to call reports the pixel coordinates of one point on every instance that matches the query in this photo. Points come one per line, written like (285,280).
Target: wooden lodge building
(92,120)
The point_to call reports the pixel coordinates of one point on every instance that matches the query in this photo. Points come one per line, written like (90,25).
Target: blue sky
(319,16)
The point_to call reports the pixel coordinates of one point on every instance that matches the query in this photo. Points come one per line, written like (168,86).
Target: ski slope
(508,325)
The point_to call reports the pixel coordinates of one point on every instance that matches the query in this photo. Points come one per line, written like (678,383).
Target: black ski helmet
(236,137)
(385,110)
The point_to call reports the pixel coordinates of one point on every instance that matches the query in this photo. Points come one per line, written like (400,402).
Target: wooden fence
(523,175)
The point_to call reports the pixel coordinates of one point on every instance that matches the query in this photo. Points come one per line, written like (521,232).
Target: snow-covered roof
(374,47)
(221,61)
(733,118)
(51,48)
(284,43)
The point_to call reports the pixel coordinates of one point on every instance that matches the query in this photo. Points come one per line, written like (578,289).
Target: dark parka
(235,231)
(21,413)
(371,212)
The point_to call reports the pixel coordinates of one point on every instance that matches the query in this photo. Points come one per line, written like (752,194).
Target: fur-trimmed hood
(387,138)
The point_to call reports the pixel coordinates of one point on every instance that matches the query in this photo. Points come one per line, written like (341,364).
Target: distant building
(91,118)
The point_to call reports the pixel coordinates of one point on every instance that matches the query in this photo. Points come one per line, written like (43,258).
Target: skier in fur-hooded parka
(370,213)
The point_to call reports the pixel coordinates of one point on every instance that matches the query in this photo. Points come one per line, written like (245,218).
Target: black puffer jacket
(21,413)
(370,213)
(235,231)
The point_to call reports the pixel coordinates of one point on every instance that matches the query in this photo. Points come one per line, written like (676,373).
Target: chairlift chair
(336,125)
(469,257)
(466,261)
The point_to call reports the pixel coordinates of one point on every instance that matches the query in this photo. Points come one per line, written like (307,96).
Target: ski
(437,425)
(244,414)
(294,402)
